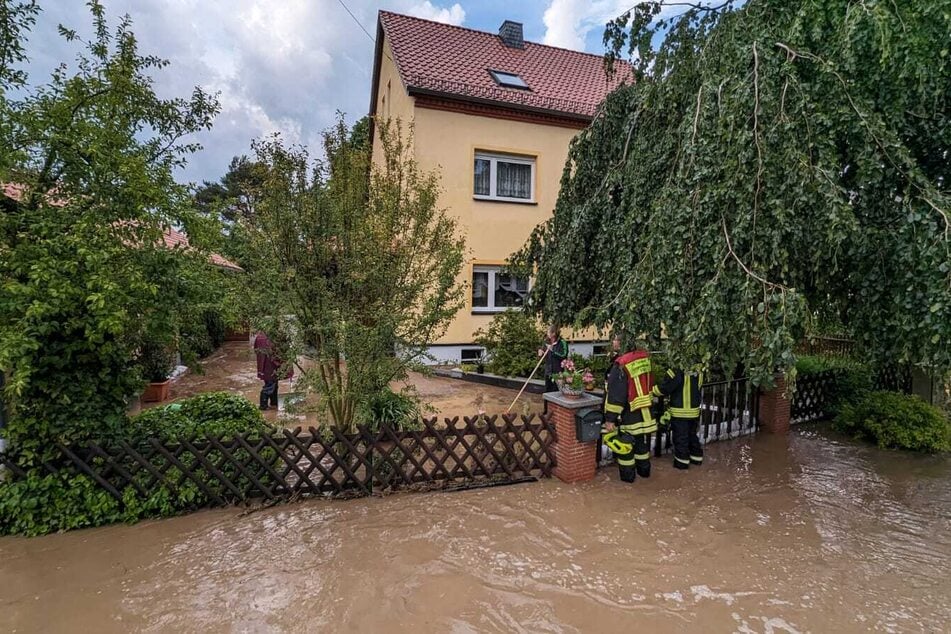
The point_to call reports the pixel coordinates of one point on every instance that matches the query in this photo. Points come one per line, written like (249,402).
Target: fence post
(774,407)
(574,460)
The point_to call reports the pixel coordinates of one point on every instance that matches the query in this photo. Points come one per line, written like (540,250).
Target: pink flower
(568,365)
(588,377)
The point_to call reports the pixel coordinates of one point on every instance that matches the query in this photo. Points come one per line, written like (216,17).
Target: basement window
(509,80)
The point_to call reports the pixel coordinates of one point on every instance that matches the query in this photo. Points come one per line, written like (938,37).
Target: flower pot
(480,369)
(570,392)
(156,392)
(589,386)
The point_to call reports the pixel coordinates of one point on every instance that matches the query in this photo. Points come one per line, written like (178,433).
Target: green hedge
(41,503)
(896,421)
(212,414)
(853,380)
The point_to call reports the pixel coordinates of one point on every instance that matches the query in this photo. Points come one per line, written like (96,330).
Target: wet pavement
(773,534)
(231,368)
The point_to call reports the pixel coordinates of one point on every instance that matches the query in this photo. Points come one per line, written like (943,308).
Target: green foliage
(201,334)
(401,410)
(775,166)
(218,414)
(39,504)
(156,360)
(215,326)
(231,201)
(82,277)
(360,257)
(853,379)
(511,341)
(897,421)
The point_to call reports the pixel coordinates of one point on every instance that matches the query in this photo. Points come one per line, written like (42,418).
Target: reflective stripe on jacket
(628,397)
(683,390)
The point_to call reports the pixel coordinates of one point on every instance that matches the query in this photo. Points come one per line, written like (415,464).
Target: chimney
(511,34)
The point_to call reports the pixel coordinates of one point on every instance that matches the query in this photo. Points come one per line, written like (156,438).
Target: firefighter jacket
(628,398)
(683,393)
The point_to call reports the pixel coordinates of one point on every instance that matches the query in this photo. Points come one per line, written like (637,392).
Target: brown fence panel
(811,400)
(296,463)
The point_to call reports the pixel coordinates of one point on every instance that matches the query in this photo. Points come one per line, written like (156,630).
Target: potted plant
(156,361)
(572,380)
(480,366)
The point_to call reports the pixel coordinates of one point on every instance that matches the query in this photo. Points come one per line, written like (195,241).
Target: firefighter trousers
(637,461)
(687,448)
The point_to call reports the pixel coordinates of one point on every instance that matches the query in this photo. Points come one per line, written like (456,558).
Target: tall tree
(81,267)
(773,164)
(366,268)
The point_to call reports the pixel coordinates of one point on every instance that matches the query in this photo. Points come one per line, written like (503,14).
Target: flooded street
(772,534)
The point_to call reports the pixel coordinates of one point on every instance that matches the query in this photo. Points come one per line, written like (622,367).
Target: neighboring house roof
(171,238)
(174,239)
(450,61)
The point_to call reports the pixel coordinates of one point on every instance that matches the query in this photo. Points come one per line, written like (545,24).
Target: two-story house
(494,114)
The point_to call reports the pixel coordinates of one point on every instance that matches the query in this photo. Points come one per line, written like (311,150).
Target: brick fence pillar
(574,460)
(774,406)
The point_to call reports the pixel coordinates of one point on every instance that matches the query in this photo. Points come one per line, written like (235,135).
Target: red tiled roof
(452,60)
(176,239)
(171,238)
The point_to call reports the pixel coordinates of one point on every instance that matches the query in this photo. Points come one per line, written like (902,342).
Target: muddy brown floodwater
(231,368)
(772,534)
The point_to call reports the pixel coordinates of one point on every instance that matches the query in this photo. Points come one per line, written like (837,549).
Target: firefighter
(627,412)
(682,390)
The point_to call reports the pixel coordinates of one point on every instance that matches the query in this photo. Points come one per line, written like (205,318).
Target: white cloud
(568,22)
(283,66)
(453,15)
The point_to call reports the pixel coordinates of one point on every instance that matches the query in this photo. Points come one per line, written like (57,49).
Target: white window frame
(494,159)
(490,300)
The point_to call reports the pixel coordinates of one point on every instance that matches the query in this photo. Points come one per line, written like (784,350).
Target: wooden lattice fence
(294,463)
(812,399)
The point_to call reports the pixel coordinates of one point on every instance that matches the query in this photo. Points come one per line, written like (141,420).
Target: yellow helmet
(616,445)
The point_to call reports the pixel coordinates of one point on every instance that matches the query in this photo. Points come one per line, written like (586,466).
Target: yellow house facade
(488,114)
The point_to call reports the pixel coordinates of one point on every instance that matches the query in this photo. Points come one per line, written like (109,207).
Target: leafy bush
(194,341)
(219,414)
(39,504)
(215,326)
(156,360)
(201,334)
(853,379)
(511,342)
(398,409)
(896,421)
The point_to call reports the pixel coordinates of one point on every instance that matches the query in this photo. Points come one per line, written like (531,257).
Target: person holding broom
(557,350)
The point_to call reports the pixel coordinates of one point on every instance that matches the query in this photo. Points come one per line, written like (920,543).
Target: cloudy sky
(289,65)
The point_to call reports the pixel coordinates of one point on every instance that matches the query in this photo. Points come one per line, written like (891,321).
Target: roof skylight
(510,80)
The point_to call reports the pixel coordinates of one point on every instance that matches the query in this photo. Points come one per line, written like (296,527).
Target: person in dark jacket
(628,416)
(557,349)
(269,369)
(682,390)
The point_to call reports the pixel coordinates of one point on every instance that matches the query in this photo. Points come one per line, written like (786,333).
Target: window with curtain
(504,177)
